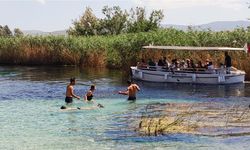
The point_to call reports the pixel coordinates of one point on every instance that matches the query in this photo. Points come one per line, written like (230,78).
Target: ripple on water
(30,116)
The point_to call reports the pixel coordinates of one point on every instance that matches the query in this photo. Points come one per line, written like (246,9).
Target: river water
(30,117)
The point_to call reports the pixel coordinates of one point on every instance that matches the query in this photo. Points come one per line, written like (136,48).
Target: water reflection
(50,82)
(223,91)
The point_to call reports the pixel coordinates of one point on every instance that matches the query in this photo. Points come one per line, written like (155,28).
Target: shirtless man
(131,91)
(70,92)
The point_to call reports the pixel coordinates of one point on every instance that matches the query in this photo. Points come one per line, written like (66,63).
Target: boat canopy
(246,48)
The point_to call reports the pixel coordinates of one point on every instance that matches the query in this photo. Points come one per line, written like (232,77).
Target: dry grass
(211,119)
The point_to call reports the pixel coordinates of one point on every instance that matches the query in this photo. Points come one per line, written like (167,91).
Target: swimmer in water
(131,91)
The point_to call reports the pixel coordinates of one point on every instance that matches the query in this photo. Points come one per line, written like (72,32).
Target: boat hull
(187,77)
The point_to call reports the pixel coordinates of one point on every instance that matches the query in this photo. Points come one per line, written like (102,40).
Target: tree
(114,21)
(18,32)
(88,24)
(140,23)
(5,31)
(1,31)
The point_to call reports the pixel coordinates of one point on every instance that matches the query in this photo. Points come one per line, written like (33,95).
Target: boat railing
(184,70)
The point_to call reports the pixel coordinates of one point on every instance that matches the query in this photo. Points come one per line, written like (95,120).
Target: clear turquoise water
(30,117)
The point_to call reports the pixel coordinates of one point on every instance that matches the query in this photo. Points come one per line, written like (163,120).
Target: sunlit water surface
(30,117)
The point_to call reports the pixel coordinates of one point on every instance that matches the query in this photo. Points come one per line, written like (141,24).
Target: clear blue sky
(51,15)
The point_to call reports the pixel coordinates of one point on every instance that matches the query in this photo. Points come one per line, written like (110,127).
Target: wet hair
(63,107)
(92,87)
(129,81)
(73,79)
(100,105)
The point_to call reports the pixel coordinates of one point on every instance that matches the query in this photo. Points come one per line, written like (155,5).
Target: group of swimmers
(88,97)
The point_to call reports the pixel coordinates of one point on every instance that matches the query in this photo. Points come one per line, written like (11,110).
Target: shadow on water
(207,91)
(57,73)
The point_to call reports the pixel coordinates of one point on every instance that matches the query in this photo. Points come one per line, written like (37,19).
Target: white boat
(215,76)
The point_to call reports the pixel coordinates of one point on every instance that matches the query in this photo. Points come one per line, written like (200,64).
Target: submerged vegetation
(208,119)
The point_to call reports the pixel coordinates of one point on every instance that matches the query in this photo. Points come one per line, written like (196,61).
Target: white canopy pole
(245,48)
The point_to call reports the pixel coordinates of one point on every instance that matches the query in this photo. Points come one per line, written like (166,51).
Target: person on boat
(165,62)
(151,63)
(131,91)
(221,69)
(207,63)
(228,63)
(160,62)
(192,65)
(173,65)
(142,64)
(182,64)
(210,67)
(200,65)
(187,64)
(89,95)
(70,92)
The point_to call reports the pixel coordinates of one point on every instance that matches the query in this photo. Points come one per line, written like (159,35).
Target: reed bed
(122,50)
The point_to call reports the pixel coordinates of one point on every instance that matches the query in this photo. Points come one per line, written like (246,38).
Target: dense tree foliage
(116,21)
(18,32)
(5,31)
(139,22)
(88,24)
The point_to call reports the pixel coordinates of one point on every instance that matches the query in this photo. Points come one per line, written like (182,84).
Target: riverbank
(120,51)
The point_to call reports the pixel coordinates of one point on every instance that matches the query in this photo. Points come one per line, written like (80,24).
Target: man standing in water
(70,92)
(131,91)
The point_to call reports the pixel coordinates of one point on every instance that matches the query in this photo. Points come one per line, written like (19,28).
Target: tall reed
(121,50)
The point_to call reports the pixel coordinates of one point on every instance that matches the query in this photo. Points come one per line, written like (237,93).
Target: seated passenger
(173,65)
(192,64)
(210,67)
(151,63)
(142,64)
(187,65)
(222,69)
(165,62)
(160,62)
(207,63)
(182,64)
(200,65)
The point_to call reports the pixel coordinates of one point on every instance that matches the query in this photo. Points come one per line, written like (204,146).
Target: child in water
(89,96)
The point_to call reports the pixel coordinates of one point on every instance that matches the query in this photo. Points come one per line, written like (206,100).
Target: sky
(53,15)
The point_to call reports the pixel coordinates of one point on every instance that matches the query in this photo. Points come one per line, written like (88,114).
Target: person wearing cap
(70,92)
(131,91)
